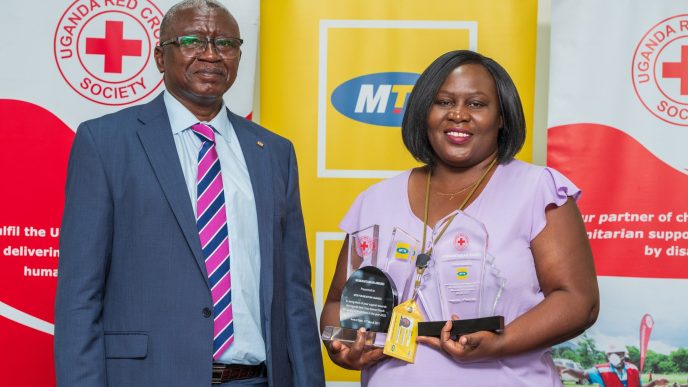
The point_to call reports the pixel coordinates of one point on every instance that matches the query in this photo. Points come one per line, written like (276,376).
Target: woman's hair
(414,131)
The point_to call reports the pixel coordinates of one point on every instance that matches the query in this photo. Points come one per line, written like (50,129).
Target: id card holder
(403,331)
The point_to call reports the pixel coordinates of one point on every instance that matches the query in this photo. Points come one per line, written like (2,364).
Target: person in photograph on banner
(464,121)
(183,258)
(617,372)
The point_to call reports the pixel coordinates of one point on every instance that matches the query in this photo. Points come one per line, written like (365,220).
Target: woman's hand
(356,356)
(471,347)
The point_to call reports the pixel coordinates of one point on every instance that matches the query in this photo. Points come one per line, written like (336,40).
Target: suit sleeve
(303,340)
(85,247)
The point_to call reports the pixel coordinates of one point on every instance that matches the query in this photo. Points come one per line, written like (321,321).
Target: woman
(464,121)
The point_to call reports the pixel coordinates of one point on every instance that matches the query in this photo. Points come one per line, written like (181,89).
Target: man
(616,373)
(159,197)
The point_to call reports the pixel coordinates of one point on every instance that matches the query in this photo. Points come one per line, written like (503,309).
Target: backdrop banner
(618,125)
(81,59)
(340,91)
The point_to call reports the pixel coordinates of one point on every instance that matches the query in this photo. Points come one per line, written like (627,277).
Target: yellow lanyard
(461,207)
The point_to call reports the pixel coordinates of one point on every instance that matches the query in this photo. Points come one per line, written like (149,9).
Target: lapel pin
(260,144)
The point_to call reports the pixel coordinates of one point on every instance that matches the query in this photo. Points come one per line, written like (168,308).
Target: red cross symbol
(364,246)
(461,241)
(678,70)
(113,46)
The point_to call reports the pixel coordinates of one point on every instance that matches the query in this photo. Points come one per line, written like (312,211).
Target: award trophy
(363,247)
(468,281)
(401,256)
(369,294)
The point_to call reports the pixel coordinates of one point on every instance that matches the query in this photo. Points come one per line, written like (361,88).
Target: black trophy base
(462,327)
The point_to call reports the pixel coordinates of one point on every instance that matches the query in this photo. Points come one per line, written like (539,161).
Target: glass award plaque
(369,294)
(363,247)
(467,280)
(367,301)
(401,258)
(493,287)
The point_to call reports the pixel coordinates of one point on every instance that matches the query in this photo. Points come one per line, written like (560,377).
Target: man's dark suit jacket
(133,288)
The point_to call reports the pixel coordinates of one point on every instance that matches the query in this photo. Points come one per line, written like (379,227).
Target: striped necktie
(211,220)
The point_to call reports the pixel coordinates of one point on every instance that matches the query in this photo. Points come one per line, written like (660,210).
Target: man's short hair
(414,129)
(182,5)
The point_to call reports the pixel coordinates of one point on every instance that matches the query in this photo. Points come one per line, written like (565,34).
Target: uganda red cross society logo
(461,241)
(365,246)
(660,70)
(104,49)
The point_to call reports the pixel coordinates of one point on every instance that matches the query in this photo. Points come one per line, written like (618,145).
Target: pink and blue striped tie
(211,220)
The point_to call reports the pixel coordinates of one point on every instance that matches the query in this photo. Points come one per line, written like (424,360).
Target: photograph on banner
(617,129)
(640,319)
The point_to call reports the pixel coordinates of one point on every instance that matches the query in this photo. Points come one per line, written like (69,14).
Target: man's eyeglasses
(193,46)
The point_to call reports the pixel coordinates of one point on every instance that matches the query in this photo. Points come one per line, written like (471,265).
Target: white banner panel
(618,125)
(65,62)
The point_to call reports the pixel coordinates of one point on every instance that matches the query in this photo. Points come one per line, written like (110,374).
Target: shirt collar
(620,372)
(181,118)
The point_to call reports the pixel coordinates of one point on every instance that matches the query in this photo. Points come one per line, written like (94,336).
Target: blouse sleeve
(552,188)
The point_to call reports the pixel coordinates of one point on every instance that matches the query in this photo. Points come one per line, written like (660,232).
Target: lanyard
(461,207)
(423,258)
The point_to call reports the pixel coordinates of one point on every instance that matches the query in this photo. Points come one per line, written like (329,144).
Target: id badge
(403,331)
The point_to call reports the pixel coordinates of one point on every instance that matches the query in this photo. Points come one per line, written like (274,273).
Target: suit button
(207,312)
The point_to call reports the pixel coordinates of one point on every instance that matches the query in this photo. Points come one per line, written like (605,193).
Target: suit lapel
(158,143)
(257,155)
